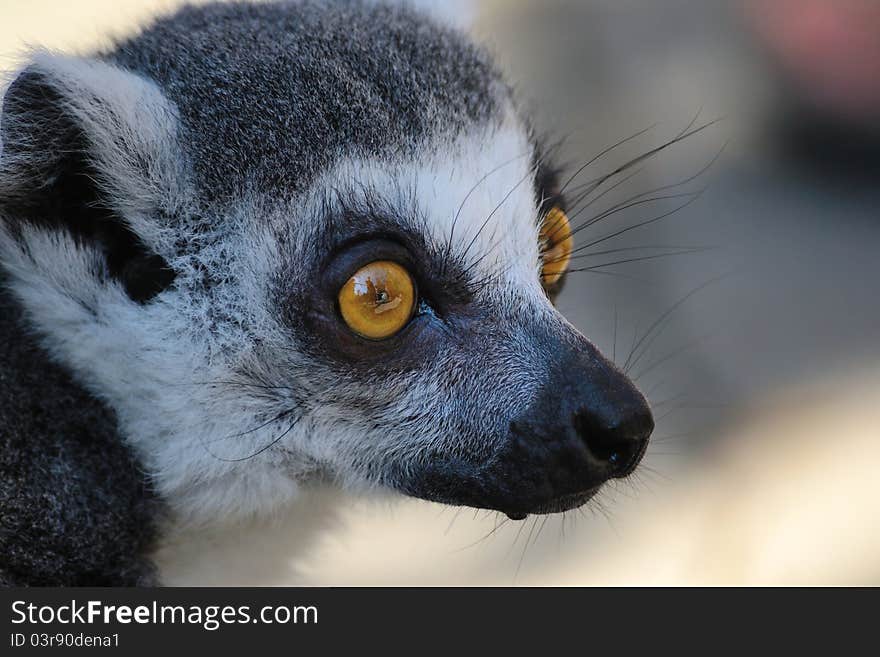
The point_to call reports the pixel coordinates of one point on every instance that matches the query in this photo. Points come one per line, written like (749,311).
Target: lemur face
(302,242)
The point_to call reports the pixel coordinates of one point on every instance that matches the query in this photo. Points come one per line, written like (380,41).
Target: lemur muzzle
(587,424)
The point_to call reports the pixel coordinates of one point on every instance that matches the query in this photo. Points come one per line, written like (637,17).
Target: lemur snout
(586,424)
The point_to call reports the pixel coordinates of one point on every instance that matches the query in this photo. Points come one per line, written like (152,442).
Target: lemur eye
(556,244)
(379,300)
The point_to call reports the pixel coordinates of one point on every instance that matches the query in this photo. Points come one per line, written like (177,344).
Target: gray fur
(271,94)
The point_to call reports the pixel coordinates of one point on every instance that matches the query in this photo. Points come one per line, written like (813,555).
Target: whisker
(452,520)
(623,141)
(626,205)
(581,197)
(628,260)
(630,363)
(498,526)
(650,392)
(655,190)
(528,175)
(522,525)
(640,224)
(677,352)
(525,548)
(671,251)
(669,400)
(541,528)
(259,451)
(655,472)
(649,154)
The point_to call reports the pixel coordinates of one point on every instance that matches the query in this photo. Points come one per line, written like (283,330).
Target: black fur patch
(75,508)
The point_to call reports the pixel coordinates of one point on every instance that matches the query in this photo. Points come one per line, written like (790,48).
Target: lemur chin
(279,244)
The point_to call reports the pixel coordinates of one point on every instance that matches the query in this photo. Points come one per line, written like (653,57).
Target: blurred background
(760,351)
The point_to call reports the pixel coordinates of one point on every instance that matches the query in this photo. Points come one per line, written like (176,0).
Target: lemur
(258,248)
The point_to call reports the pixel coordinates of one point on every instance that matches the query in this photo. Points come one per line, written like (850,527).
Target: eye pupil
(378,300)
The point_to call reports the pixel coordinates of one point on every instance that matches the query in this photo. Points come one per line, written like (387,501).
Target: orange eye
(379,300)
(556,245)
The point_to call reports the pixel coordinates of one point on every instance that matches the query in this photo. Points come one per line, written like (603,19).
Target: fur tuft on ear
(89,149)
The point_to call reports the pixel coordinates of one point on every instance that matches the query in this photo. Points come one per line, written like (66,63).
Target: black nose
(615,434)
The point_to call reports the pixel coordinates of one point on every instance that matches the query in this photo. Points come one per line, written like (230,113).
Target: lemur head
(308,241)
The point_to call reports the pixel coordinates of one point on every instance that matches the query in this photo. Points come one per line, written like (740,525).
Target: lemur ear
(90,149)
